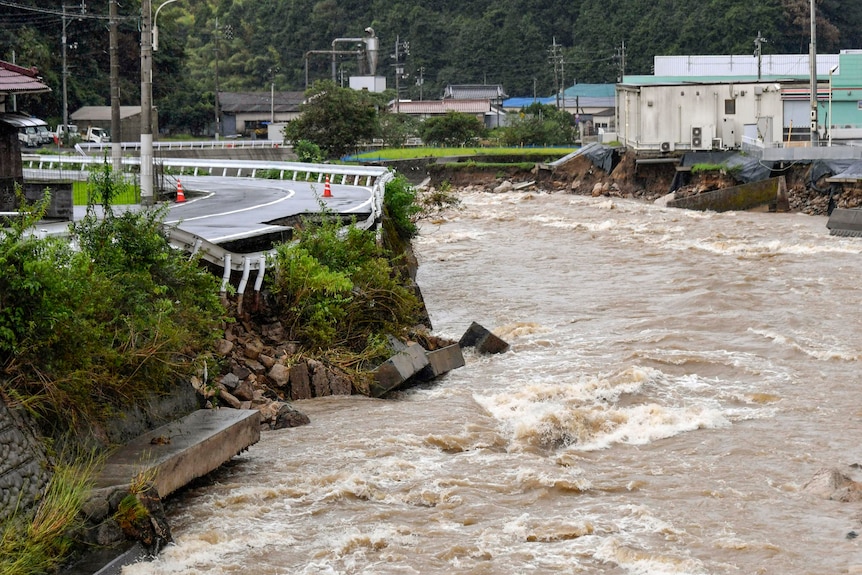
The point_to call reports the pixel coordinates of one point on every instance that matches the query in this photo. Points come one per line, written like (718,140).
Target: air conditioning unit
(666,146)
(696,137)
(717,144)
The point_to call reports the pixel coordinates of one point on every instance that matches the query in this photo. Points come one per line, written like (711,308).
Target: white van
(32,132)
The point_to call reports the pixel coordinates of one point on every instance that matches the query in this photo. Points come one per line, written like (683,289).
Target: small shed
(249,113)
(100,117)
(14,80)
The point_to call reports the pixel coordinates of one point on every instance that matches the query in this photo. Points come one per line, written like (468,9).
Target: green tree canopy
(540,124)
(453,129)
(336,119)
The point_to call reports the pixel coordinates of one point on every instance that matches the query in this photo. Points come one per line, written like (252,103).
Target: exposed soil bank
(645,181)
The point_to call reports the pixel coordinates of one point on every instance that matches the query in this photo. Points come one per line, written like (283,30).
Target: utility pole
(217,119)
(812,64)
(758,51)
(272,72)
(621,59)
(555,60)
(116,130)
(399,69)
(147,196)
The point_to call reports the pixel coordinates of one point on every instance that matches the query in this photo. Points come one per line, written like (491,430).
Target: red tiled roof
(18,80)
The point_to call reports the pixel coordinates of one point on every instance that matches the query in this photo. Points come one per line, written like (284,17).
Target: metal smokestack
(372,45)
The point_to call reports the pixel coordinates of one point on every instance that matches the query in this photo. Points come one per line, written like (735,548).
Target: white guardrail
(365,176)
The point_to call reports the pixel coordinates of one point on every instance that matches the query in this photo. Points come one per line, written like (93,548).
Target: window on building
(730,106)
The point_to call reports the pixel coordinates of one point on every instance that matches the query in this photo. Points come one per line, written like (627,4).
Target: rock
(834,485)
(229,381)
(289,417)
(279,375)
(240,371)
(224,347)
(597,190)
(319,379)
(244,391)
(254,365)
(253,348)
(228,398)
(300,384)
(505,186)
(267,360)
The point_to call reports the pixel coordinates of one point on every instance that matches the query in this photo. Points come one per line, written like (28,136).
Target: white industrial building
(719,102)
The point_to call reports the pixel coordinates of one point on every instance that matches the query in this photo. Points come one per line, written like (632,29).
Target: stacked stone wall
(23,465)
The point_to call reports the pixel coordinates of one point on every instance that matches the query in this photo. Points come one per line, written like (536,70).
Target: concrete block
(483,340)
(845,222)
(441,361)
(181,451)
(398,369)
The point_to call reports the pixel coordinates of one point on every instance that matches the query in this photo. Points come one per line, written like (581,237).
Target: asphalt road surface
(220,209)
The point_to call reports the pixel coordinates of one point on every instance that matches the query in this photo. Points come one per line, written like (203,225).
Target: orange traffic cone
(327,193)
(181,196)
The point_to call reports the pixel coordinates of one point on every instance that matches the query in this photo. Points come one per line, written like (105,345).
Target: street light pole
(147,198)
(155,24)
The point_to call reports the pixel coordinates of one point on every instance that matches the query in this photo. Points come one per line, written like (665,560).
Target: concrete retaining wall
(23,465)
(771,192)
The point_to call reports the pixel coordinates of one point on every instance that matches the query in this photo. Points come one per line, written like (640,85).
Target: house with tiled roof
(490,114)
(494,93)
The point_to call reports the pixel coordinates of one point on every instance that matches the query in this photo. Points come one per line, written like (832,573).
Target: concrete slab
(845,222)
(483,340)
(398,369)
(441,361)
(176,453)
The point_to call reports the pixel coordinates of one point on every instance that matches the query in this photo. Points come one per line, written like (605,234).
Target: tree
(336,119)
(395,129)
(539,124)
(453,129)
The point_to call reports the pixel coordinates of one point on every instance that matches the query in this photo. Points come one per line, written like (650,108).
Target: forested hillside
(528,46)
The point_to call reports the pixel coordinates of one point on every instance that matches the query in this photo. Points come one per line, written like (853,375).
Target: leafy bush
(308,152)
(399,199)
(85,331)
(336,287)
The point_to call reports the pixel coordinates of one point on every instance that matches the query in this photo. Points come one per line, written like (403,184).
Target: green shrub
(83,332)
(336,287)
(400,202)
(308,152)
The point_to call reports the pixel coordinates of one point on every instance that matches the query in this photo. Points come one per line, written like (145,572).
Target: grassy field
(429,152)
(130,194)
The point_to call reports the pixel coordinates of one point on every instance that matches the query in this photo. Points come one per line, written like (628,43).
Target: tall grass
(39,542)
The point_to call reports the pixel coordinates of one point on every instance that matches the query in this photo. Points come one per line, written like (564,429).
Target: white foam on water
(820,346)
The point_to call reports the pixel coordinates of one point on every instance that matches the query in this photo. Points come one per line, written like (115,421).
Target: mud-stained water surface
(674,381)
